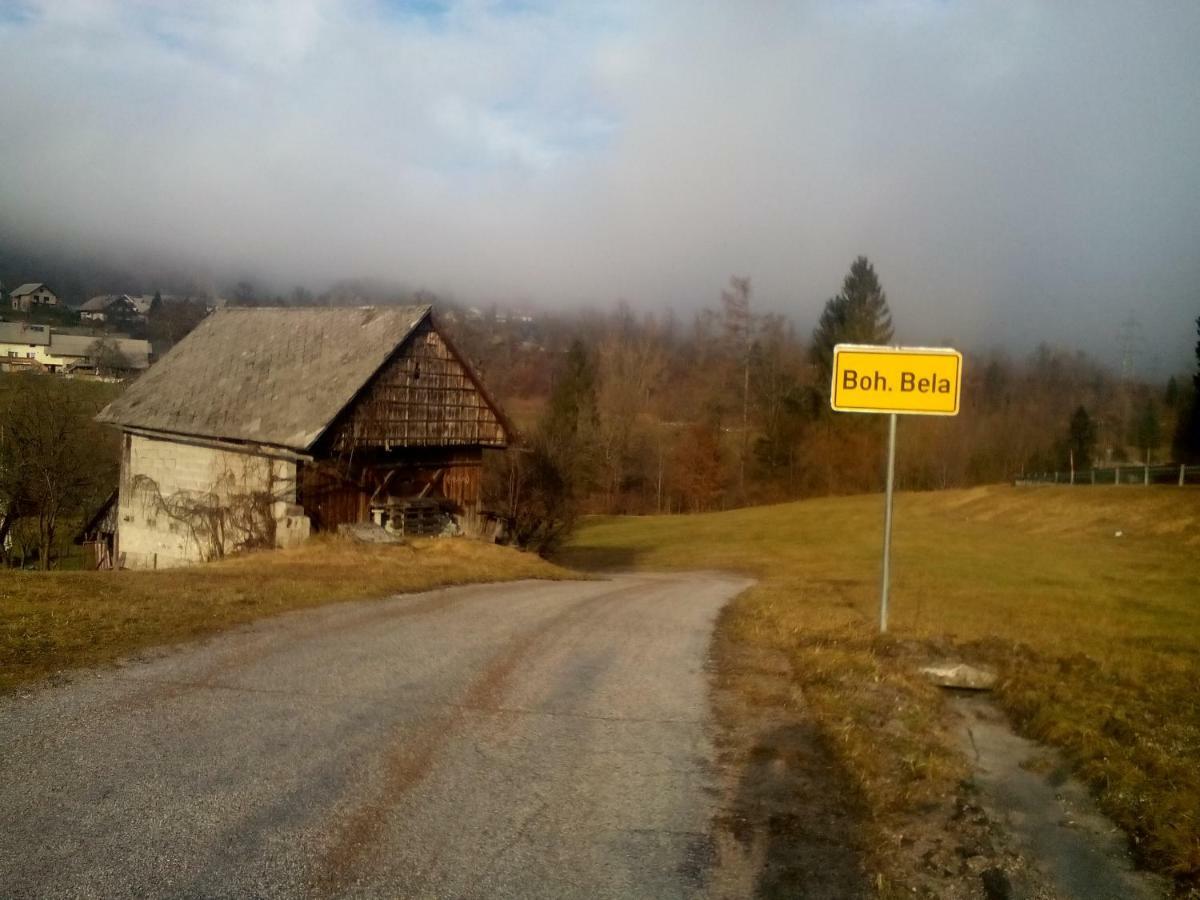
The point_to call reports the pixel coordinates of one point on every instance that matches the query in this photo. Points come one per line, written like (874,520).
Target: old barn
(264,424)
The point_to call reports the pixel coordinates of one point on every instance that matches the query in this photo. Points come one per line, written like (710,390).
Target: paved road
(528,740)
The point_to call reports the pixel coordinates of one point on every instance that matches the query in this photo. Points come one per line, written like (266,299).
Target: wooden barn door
(330,498)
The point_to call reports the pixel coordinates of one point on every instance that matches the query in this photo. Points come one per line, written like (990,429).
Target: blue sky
(1018,171)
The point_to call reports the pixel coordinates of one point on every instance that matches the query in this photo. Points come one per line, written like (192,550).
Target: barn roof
(29,287)
(266,376)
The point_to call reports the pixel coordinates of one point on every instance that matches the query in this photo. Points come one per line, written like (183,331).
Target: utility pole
(1129,339)
(885,588)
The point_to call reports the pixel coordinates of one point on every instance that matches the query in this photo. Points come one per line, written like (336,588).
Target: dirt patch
(793,823)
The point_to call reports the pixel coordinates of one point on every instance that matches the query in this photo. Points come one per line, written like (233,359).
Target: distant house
(23,343)
(118,307)
(107,307)
(25,346)
(265,423)
(27,296)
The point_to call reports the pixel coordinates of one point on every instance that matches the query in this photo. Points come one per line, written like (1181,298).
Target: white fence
(1123,474)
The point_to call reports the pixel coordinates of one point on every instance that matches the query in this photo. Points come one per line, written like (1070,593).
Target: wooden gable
(424,396)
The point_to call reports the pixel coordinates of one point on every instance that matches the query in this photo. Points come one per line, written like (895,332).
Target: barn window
(416,376)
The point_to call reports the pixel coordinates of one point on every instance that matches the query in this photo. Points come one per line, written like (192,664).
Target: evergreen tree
(570,417)
(858,315)
(567,431)
(1081,438)
(1187,433)
(1148,432)
(548,483)
(1171,394)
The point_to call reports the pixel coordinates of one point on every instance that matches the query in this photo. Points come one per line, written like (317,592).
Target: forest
(644,413)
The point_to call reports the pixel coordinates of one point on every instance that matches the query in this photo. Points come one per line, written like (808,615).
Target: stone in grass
(960,675)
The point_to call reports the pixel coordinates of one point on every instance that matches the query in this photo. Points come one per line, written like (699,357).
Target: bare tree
(630,366)
(108,359)
(171,319)
(739,330)
(55,462)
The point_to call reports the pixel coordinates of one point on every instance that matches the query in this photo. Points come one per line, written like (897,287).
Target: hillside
(1084,600)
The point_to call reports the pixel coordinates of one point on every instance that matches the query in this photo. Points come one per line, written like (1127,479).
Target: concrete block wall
(153,470)
(292,526)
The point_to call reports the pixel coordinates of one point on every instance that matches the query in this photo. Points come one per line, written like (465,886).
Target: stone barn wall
(181,504)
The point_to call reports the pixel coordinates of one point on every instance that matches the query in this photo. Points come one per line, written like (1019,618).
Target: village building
(108,306)
(118,307)
(28,296)
(25,346)
(264,424)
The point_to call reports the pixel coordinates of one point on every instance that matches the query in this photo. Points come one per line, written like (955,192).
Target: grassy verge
(58,620)
(1097,637)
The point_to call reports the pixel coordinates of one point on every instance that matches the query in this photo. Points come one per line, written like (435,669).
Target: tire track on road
(257,647)
(411,758)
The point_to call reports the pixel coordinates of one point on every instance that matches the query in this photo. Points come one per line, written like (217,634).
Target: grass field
(1096,637)
(51,621)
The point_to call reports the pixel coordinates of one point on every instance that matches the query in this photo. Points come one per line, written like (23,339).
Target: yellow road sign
(913,380)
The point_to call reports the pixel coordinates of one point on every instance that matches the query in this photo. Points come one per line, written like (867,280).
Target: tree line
(629,413)
(621,412)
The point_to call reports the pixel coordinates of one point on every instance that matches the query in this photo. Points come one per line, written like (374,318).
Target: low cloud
(1018,171)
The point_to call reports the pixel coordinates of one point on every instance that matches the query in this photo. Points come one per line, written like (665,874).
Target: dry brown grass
(1097,637)
(59,620)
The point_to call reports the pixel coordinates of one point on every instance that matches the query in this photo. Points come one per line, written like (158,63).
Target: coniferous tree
(1171,394)
(1081,438)
(1148,431)
(1187,433)
(857,315)
(549,484)
(570,417)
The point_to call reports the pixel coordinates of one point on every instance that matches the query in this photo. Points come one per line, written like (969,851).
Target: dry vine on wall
(233,516)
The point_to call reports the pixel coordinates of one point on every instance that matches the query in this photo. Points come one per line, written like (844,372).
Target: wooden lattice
(424,397)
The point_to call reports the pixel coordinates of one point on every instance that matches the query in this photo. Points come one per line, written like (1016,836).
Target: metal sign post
(887,525)
(922,381)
